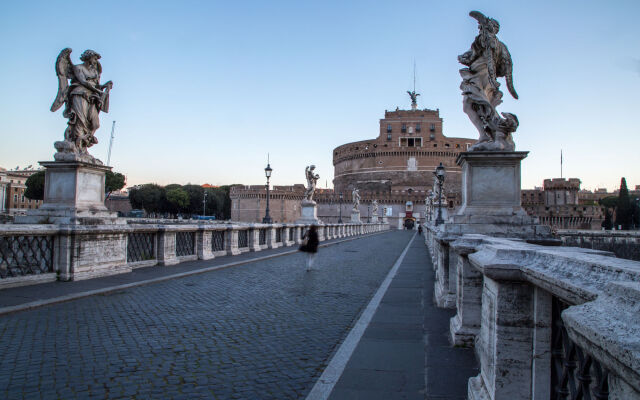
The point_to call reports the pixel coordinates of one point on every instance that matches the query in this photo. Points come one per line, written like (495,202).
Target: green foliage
(113,181)
(609,202)
(624,209)
(175,199)
(35,186)
(178,198)
(149,197)
(607,224)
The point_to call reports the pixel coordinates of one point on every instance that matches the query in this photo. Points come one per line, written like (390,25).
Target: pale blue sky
(203,90)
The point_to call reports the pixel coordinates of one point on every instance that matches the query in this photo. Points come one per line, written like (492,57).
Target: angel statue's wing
(506,69)
(64,70)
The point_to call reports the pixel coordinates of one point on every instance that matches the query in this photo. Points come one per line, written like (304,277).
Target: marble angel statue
(83,97)
(312,179)
(487,60)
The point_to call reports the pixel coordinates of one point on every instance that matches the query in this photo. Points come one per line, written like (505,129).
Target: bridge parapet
(542,319)
(31,254)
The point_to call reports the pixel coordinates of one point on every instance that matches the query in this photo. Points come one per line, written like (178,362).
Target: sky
(205,90)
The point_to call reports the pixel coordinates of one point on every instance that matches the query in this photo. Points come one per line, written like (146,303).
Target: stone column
(167,247)
(505,344)
(465,325)
(232,241)
(445,289)
(271,237)
(254,238)
(203,244)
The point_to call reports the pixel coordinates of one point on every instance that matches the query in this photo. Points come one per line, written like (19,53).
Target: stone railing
(545,321)
(32,254)
(624,244)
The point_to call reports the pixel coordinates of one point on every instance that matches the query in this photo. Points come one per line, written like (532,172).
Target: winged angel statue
(83,100)
(488,59)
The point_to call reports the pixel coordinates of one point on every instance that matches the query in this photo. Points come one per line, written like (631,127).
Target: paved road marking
(74,296)
(324,385)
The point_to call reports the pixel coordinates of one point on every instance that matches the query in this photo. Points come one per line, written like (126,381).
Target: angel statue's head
(312,167)
(87,55)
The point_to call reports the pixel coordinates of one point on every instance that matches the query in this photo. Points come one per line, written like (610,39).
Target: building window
(22,200)
(410,142)
(15,198)
(388,136)
(432,128)
(389,130)
(418,127)
(404,128)
(432,136)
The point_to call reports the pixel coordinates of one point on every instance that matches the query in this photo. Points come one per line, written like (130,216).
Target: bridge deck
(265,329)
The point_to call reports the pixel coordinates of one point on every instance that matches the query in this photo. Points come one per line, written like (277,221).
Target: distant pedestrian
(419,229)
(310,245)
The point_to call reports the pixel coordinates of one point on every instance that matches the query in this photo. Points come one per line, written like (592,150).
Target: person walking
(419,229)
(310,245)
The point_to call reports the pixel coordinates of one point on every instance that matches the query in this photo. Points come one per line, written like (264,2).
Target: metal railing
(217,240)
(25,255)
(185,244)
(141,246)
(243,238)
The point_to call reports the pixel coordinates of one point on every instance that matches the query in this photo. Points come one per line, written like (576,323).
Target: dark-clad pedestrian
(419,229)
(310,245)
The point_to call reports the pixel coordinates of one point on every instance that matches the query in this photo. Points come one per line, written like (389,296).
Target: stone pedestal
(490,187)
(355,217)
(374,219)
(309,213)
(73,194)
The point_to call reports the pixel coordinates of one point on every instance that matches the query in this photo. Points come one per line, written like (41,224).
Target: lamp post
(440,176)
(204,204)
(267,173)
(340,216)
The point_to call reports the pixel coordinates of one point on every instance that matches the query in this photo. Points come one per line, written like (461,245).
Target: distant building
(396,168)
(558,204)
(12,188)
(118,201)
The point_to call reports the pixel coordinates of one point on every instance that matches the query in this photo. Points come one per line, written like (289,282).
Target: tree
(178,198)
(150,197)
(609,202)
(113,181)
(624,210)
(607,224)
(35,186)
(196,194)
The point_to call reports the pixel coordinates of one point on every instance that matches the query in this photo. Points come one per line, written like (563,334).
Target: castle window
(435,145)
(418,127)
(388,135)
(446,145)
(375,145)
(411,142)
(432,136)
(432,128)
(404,128)
(389,128)
(457,146)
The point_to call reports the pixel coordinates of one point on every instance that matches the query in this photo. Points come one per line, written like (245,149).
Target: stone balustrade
(545,321)
(31,254)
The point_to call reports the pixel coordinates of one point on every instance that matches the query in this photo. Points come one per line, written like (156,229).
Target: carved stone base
(309,213)
(73,194)
(374,219)
(355,217)
(67,152)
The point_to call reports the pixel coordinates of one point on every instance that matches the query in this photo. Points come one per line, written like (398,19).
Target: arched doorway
(409,223)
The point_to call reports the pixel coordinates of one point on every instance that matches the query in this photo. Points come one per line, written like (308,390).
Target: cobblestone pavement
(264,330)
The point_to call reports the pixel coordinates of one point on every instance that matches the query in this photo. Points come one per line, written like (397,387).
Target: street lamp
(440,176)
(267,173)
(340,217)
(204,204)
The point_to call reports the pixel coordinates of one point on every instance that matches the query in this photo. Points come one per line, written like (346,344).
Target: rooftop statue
(355,196)
(414,98)
(83,100)
(488,59)
(312,179)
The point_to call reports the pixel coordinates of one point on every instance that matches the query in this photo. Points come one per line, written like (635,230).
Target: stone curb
(70,297)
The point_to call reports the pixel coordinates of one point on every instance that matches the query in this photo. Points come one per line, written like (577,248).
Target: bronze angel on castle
(487,60)
(83,98)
